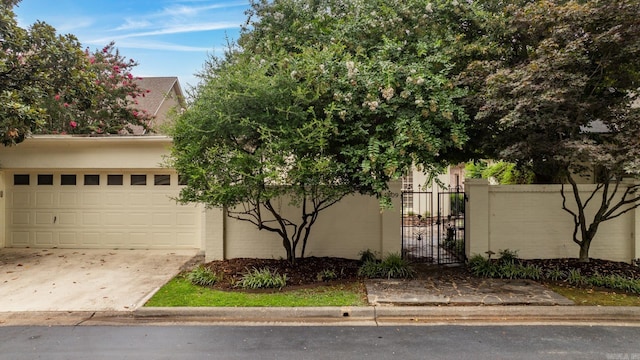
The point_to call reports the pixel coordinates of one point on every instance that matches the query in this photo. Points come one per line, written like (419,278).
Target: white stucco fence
(530,219)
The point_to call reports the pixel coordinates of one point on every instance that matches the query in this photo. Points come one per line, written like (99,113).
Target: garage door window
(114,180)
(21,179)
(45,179)
(138,179)
(67,179)
(92,179)
(162,179)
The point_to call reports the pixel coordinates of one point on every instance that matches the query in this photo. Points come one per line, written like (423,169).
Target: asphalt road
(319,342)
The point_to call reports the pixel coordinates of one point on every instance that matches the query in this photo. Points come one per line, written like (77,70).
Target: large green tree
(560,101)
(49,84)
(317,100)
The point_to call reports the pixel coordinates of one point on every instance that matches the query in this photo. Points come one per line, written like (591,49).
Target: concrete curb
(364,315)
(398,314)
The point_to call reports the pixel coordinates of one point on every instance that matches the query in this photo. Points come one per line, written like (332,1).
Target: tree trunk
(584,254)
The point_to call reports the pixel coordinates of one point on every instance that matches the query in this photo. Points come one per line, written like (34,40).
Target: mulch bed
(304,273)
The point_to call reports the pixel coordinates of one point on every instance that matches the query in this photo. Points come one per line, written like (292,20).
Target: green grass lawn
(590,297)
(180,292)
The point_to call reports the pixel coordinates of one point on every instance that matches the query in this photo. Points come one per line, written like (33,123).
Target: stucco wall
(344,230)
(77,152)
(530,219)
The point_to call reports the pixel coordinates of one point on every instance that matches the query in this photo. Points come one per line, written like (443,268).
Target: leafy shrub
(508,256)
(262,278)
(326,275)
(369,269)
(368,255)
(202,276)
(532,272)
(555,274)
(481,267)
(575,277)
(391,267)
(395,267)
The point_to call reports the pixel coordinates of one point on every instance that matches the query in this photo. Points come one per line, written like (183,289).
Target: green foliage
(317,100)
(507,173)
(202,276)
(482,267)
(555,96)
(368,256)
(555,274)
(393,266)
(326,275)
(475,169)
(50,85)
(508,256)
(262,278)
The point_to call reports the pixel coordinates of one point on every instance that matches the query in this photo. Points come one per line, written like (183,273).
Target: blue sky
(166,37)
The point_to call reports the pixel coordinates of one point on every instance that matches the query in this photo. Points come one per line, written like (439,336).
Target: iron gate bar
(433,238)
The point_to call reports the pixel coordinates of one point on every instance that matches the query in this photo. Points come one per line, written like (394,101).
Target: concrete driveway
(83,279)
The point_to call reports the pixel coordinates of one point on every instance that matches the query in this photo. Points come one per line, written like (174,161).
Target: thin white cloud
(134,25)
(177,29)
(157,45)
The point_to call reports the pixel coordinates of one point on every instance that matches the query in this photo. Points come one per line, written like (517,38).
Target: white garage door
(71,209)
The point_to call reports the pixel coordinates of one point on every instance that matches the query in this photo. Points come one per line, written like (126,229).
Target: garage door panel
(92,239)
(44,199)
(44,238)
(99,216)
(139,219)
(163,239)
(20,218)
(20,199)
(115,199)
(68,218)
(67,238)
(140,239)
(163,219)
(19,238)
(139,199)
(91,219)
(44,218)
(68,199)
(185,219)
(163,200)
(91,199)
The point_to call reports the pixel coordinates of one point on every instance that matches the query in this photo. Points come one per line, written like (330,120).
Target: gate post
(477,217)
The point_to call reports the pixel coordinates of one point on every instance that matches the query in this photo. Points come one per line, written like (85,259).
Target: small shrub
(368,255)
(532,272)
(395,267)
(326,275)
(481,267)
(262,278)
(202,276)
(369,269)
(392,267)
(555,274)
(508,256)
(575,277)
(509,270)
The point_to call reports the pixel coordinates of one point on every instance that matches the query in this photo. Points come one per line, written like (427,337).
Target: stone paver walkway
(461,292)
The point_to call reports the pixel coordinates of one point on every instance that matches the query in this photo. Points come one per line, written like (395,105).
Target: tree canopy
(49,84)
(560,100)
(317,100)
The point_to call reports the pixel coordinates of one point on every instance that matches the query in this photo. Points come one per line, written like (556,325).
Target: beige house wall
(79,152)
(530,220)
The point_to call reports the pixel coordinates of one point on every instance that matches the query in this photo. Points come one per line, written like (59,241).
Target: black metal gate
(433,226)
